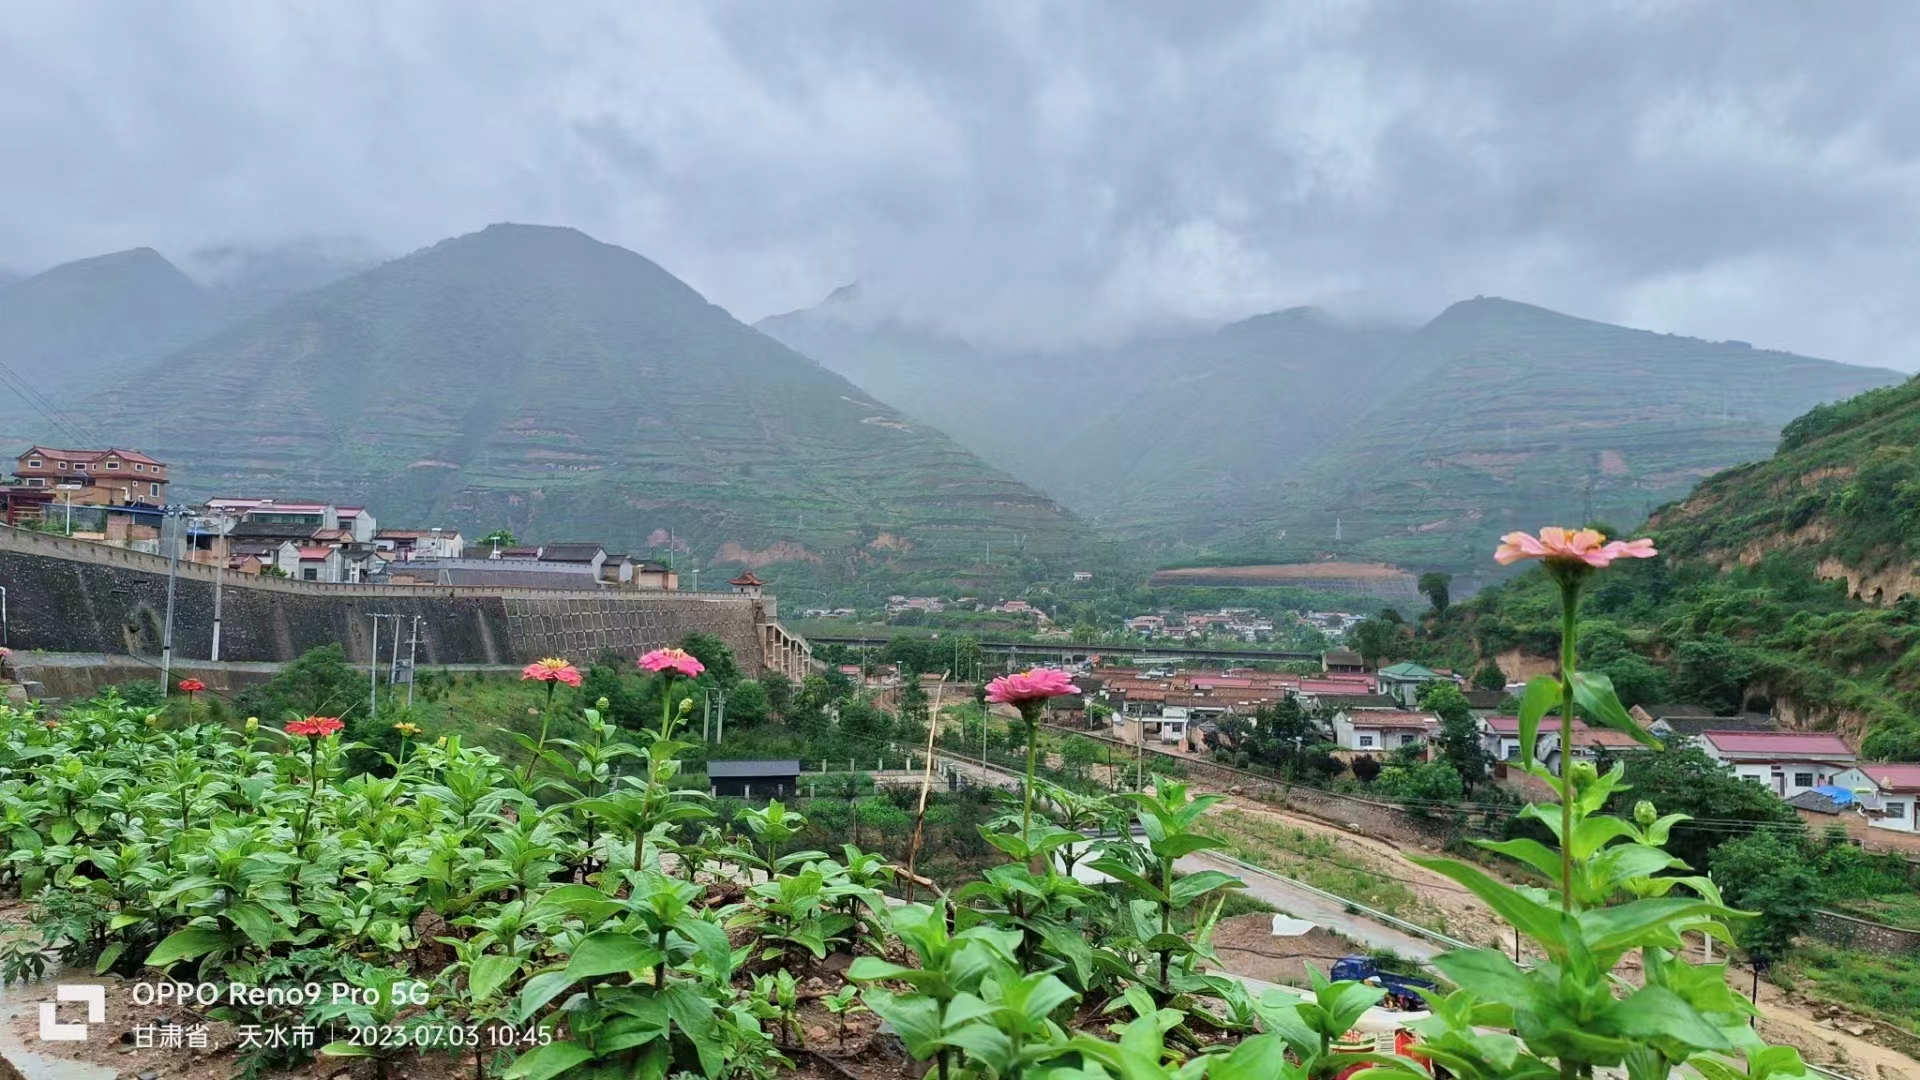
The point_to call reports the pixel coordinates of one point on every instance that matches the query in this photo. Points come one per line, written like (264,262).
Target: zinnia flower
(407,730)
(252,724)
(50,725)
(1036,685)
(676,660)
(1587,546)
(315,727)
(552,669)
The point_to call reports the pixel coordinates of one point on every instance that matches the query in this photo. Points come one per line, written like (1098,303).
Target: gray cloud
(1022,171)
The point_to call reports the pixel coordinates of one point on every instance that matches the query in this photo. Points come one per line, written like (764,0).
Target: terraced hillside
(535,378)
(68,329)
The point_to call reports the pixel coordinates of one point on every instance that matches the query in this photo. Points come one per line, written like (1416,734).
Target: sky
(1022,173)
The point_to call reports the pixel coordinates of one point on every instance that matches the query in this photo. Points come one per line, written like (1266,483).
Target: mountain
(1300,436)
(536,379)
(7,277)
(247,280)
(1502,415)
(70,329)
(1020,410)
(1790,584)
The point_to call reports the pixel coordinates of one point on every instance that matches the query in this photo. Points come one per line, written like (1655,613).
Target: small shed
(768,779)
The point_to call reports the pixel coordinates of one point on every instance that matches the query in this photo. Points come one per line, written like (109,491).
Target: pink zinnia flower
(315,727)
(1588,546)
(552,669)
(676,660)
(191,686)
(1036,685)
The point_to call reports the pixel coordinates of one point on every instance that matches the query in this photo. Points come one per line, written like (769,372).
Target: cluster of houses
(1370,713)
(121,498)
(1246,624)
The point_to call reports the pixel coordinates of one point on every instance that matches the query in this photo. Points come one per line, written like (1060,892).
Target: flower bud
(1583,774)
(252,724)
(603,704)
(686,706)
(1644,813)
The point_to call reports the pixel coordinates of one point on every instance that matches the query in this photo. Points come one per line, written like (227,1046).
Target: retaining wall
(1863,934)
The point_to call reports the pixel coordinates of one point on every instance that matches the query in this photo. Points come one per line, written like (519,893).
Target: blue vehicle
(1403,991)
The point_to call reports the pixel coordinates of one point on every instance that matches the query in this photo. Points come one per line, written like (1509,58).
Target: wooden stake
(926,782)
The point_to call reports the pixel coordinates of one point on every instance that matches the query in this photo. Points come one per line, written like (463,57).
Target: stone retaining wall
(1863,934)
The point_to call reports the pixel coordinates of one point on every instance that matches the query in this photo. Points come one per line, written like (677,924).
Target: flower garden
(584,916)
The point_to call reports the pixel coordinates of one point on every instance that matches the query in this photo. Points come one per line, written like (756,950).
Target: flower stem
(1033,744)
(1569,612)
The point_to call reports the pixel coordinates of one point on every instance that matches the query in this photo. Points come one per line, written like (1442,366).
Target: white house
(1404,680)
(321,564)
(1381,729)
(1789,762)
(1500,737)
(1891,791)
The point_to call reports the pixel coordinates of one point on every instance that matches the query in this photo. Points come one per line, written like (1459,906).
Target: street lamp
(69,489)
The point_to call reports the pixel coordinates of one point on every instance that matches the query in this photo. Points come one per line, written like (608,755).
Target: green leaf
(1280,1012)
(1346,1002)
(346,1049)
(1542,694)
(185,944)
(488,973)
(1539,922)
(1655,1010)
(589,903)
(915,1018)
(1126,875)
(871,968)
(539,990)
(107,957)
(609,952)
(261,926)
(1193,885)
(1488,974)
(1593,692)
(1262,1057)
(1532,852)
(548,1061)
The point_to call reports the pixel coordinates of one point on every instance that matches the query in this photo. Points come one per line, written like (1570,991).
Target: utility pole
(373,669)
(170,512)
(720,717)
(706,718)
(413,652)
(219,576)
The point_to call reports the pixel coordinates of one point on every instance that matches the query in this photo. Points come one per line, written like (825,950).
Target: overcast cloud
(1024,171)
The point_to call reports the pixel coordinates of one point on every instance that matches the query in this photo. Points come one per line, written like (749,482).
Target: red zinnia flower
(676,660)
(315,727)
(1586,546)
(191,686)
(552,669)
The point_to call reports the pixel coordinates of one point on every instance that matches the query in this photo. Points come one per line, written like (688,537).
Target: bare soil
(1246,947)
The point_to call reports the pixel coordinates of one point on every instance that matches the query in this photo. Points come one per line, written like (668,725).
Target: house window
(153,489)
(113,466)
(33,463)
(79,466)
(61,465)
(1406,740)
(311,573)
(1803,779)
(1897,810)
(1364,742)
(137,467)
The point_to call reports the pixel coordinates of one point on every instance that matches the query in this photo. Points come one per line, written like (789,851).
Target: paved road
(1302,904)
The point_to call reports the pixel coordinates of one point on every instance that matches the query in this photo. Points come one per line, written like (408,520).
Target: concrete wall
(70,596)
(1852,933)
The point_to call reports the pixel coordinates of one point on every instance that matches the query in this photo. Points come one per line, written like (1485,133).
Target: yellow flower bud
(253,723)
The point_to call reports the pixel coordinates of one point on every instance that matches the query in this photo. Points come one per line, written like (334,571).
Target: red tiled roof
(746,579)
(308,554)
(1328,686)
(89,455)
(1778,743)
(1390,718)
(1901,778)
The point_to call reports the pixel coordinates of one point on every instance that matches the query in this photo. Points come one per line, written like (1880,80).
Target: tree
(866,732)
(1376,639)
(747,704)
(1365,768)
(1488,676)
(1682,779)
(1422,786)
(1077,756)
(1767,872)
(1711,671)
(913,706)
(319,683)
(1434,586)
(714,654)
(499,538)
(1459,737)
(779,690)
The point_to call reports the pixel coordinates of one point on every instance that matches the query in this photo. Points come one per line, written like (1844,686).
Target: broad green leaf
(1532,852)
(1488,974)
(609,952)
(871,968)
(108,956)
(1262,1057)
(1655,1010)
(261,926)
(1345,1003)
(538,991)
(1539,922)
(1121,872)
(1593,692)
(589,903)
(1187,888)
(1280,1012)
(346,1049)
(488,973)
(185,944)
(1542,694)
(545,1062)
(914,1017)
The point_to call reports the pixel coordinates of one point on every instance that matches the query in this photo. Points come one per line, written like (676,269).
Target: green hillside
(537,379)
(71,328)
(1791,583)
